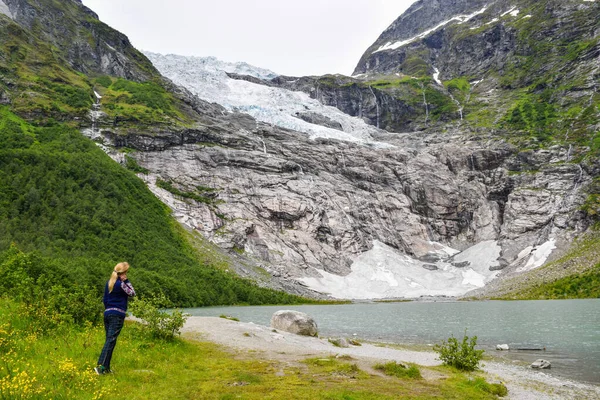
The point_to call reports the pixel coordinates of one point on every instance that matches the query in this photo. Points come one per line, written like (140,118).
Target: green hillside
(66,208)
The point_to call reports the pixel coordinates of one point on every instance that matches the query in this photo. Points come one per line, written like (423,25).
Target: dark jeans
(112,325)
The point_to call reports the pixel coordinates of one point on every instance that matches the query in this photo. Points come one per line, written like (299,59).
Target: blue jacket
(116,301)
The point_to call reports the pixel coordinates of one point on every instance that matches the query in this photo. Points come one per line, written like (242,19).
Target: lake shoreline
(262,342)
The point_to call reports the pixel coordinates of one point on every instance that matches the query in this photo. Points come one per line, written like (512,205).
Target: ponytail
(119,269)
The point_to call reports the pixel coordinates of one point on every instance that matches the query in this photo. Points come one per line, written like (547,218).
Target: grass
(399,370)
(58,365)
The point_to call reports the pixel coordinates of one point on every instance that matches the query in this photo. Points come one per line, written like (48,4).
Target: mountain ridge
(480,166)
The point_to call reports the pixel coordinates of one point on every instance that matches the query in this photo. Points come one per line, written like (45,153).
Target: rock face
(89,45)
(434,211)
(374,106)
(422,16)
(307,208)
(541,364)
(294,322)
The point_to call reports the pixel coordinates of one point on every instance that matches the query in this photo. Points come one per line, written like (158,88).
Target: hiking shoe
(100,370)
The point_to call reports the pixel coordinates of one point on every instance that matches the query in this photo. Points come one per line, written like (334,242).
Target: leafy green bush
(462,356)
(47,295)
(399,370)
(160,323)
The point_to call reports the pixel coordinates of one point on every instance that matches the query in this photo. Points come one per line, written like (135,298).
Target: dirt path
(264,342)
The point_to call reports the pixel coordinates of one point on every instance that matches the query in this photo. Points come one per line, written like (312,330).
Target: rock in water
(502,347)
(294,322)
(541,364)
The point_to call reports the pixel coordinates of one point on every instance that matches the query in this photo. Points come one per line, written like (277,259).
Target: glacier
(207,78)
(383,272)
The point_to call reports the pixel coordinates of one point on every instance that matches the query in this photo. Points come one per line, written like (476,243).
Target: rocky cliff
(87,44)
(504,188)
(315,211)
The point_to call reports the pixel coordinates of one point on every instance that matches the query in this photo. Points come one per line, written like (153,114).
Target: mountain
(397,182)
(492,174)
(68,212)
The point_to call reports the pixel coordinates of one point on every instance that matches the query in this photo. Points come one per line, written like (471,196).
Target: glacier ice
(383,272)
(207,78)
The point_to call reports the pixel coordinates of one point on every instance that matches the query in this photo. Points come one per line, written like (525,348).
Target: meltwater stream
(568,329)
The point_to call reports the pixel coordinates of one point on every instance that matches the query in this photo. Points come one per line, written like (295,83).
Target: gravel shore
(264,342)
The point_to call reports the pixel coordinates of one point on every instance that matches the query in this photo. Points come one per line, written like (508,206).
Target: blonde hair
(119,269)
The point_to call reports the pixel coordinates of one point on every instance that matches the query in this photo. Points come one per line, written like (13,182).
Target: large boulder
(295,322)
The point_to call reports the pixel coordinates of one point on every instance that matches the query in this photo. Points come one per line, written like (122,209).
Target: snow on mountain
(383,272)
(5,10)
(207,78)
(460,19)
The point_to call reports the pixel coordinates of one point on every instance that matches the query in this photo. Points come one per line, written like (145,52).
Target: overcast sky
(307,37)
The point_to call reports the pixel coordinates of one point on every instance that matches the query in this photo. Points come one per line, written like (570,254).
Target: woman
(117,292)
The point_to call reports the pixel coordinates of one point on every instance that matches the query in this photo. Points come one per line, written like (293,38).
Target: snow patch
(383,272)
(475,83)
(5,10)
(207,78)
(442,250)
(513,11)
(460,19)
(492,21)
(527,16)
(436,76)
(538,256)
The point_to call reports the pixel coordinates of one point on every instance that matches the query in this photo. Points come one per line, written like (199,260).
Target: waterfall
(94,114)
(360,104)
(264,145)
(425,103)
(569,153)
(460,107)
(376,105)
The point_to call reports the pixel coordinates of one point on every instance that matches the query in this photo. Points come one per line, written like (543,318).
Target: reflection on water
(568,329)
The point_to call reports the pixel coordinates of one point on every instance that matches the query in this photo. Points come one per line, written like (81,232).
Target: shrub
(497,389)
(399,370)
(462,356)
(160,323)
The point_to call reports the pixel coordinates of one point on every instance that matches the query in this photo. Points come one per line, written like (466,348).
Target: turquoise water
(568,329)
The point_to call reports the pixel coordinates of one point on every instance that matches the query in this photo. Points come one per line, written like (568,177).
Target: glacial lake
(568,329)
